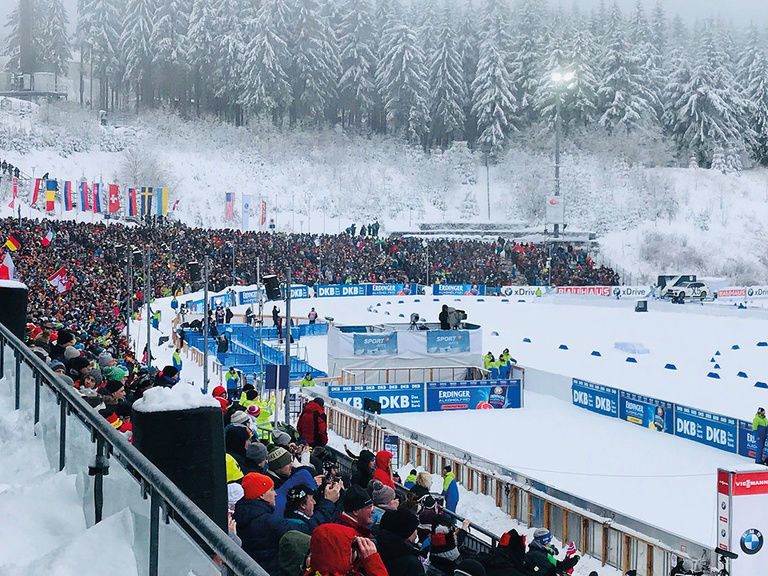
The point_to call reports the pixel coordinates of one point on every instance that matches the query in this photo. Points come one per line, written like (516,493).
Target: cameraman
(304,512)
(443,318)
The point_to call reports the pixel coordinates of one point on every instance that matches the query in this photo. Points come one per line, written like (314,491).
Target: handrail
(160,487)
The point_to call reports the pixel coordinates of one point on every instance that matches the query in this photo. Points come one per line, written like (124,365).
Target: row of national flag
(91,198)
(58,279)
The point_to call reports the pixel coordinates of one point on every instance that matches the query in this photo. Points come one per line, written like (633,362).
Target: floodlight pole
(261,323)
(148,296)
(129,304)
(205,325)
(558,131)
(287,335)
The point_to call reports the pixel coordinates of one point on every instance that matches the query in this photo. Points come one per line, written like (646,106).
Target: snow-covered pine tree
(469,207)
(315,64)
(647,54)
(753,77)
(447,89)
(137,50)
(357,88)
(267,87)
(169,40)
(401,80)
(549,91)
(624,101)
(525,58)
(228,77)
(104,40)
(55,52)
(200,48)
(467,43)
(581,100)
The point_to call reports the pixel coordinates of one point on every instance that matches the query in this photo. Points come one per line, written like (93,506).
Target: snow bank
(180,397)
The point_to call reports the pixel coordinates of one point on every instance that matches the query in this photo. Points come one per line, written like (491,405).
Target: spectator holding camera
(337,550)
(304,512)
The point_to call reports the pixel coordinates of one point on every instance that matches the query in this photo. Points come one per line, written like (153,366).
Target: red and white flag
(174,205)
(570,551)
(263,212)
(7,269)
(229,206)
(37,190)
(114,198)
(60,280)
(15,191)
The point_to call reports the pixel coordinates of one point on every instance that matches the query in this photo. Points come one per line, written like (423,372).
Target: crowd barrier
(613,538)
(714,430)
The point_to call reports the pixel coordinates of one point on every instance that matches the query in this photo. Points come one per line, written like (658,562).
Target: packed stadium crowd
(290,508)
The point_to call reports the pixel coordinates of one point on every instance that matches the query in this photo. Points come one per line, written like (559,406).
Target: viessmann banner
(473,395)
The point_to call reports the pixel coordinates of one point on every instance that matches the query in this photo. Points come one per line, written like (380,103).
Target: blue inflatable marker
(401,301)
(494,333)
(596,353)
(742,374)
(717,352)
(505,299)
(527,340)
(521,300)
(632,359)
(712,359)
(388,302)
(761,344)
(735,347)
(386,312)
(670,367)
(417,299)
(481,299)
(435,299)
(378,303)
(401,315)
(761,385)
(563,347)
(716,366)
(714,375)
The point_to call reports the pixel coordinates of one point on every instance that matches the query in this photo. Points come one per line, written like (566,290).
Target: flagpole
(205,327)
(147,295)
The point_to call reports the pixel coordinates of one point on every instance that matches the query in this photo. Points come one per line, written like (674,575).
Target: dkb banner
(473,395)
(394,398)
(647,412)
(340,290)
(595,397)
(447,341)
(710,429)
(375,344)
(458,289)
(366,290)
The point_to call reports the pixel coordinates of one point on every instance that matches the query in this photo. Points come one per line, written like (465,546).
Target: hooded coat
(312,425)
(331,554)
(362,473)
(508,558)
(382,472)
(400,556)
(260,529)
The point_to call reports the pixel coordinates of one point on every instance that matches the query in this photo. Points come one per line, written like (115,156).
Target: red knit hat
(219,391)
(255,485)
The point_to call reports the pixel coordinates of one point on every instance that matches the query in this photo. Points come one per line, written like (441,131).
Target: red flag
(37,190)
(114,198)
(263,212)
(229,205)
(15,191)
(7,269)
(174,205)
(60,280)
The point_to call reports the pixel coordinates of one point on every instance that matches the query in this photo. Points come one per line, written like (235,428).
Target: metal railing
(184,525)
(355,376)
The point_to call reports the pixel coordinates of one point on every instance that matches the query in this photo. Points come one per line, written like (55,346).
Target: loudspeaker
(13,312)
(371,406)
(138,259)
(195,269)
(272,286)
(188,447)
(641,306)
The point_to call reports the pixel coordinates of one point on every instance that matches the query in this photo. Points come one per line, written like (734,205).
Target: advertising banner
(474,395)
(595,397)
(447,341)
(748,441)
(222,299)
(458,289)
(732,292)
(647,412)
(335,290)
(375,344)
(392,289)
(392,445)
(631,291)
(555,210)
(249,297)
(710,429)
(394,398)
(195,305)
(340,290)
(523,291)
(585,290)
(757,291)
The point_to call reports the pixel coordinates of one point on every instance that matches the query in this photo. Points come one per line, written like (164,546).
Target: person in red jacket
(383,472)
(337,550)
(313,423)
(220,393)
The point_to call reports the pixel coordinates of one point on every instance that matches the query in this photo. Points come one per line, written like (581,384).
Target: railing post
(37,397)
(98,470)
(2,357)
(154,531)
(17,392)
(62,433)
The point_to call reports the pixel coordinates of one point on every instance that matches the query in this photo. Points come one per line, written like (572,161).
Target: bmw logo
(750,292)
(751,541)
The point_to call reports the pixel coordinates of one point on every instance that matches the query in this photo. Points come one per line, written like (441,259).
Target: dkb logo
(751,541)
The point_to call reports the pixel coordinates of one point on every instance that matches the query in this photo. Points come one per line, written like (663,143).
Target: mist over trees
(431,71)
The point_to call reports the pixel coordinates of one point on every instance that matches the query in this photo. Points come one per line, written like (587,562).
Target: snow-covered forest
(431,71)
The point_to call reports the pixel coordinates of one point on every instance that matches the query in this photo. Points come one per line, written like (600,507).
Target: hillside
(648,219)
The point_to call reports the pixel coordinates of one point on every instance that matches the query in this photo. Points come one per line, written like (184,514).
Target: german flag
(12,244)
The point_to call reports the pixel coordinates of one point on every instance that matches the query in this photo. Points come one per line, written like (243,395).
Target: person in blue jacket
(258,526)
(450,489)
(306,513)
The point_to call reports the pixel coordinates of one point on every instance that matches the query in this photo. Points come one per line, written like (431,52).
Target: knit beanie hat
(71,352)
(255,485)
(96,375)
(170,371)
(113,373)
(254,410)
(234,493)
(65,337)
(356,498)
(278,458)
(78,363)
(239,417)
(281,438)
(469,568)
(400,522)
(56,366)
(382,494)
(256,452)
(104,359)
(113,386)
(542,536)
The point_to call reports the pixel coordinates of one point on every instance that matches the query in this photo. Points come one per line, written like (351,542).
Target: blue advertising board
(299,292)
(222,300)
(458,289)
(249,296)
(473,395)
(375,344)
(392,289)
(335,290)
(340,290)
(595,397)
(277,375)
(710,429)
(647,412)
(394,398)
(195,305)
(447,341)
(748,441)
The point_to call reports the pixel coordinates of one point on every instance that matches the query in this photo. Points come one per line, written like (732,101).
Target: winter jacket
(331,554)
(400,556)
(410,481)
(507,560)
(382,473)
(543,562)
(450,491)
(260,529)
(312,425)
(324,512)
(346,520)
(298,478)
(361,470)
(758,421)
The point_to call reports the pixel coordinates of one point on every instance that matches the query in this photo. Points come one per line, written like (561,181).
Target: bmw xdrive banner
(742,519)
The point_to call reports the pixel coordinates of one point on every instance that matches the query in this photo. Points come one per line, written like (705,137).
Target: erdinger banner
(473,395)
(458,289)
(742,519)
(647,412)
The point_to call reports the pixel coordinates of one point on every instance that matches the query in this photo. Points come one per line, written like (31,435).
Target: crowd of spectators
(555,265)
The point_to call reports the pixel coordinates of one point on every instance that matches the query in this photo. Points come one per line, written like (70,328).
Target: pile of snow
(179,397)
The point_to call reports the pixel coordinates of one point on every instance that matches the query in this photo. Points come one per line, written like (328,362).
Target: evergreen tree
(401,80)
(104,39)
(581,100)
(525,60)
(467,44)
(469,207)
(753,76)
(228,73)
(169,40)
(137,49)
(54,52)
(357,88)
(447,90)
(200,53)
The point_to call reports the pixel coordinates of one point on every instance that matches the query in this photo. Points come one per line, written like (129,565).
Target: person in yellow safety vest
(307,380)
(505,356)
(488,360)
(249,397)
(233,469)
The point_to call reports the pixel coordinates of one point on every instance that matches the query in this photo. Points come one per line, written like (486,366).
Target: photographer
(336,550)
(304,512)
